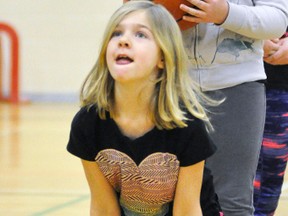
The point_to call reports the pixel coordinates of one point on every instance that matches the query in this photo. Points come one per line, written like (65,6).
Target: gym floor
(37,175)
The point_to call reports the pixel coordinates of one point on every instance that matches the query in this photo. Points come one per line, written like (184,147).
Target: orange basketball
(173,7)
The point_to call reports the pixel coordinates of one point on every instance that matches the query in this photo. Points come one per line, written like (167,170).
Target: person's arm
(277,56)
(103,197)
(255,21)
(187,195)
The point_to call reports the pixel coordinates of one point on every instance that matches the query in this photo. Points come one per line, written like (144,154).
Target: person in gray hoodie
(226,58)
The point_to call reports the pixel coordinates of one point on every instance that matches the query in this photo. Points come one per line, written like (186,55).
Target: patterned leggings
(273,155)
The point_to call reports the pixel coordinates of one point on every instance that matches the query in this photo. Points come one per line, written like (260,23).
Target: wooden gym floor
(37,176)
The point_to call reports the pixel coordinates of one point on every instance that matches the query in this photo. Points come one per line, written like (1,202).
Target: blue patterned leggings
(273,155)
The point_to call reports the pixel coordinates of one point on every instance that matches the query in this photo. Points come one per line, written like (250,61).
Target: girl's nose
(124,41)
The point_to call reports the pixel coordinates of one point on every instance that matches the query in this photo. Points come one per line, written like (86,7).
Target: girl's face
(132,52)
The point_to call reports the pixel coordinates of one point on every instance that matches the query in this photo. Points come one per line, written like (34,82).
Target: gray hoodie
(229,54)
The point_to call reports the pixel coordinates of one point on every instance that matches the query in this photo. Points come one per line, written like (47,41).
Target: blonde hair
(175,92)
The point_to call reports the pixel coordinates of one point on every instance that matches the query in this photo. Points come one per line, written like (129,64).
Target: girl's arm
(103,197)
(187,195)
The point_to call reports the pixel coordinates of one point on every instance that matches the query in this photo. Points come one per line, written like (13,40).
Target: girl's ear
(161,64)
(161,61)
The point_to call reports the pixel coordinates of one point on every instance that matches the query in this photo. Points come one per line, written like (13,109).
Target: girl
(141,130)
(274,150)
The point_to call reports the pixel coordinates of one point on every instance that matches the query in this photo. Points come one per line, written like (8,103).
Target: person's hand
(270,47)
(207,11)
(278,52)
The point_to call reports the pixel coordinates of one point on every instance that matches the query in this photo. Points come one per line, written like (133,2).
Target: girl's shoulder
(86,112)
(86,128)
(195,143)
(85,117)
(194,123)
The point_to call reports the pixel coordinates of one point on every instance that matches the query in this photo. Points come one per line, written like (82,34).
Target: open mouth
(123,59)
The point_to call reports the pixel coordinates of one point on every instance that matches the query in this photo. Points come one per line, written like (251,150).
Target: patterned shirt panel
(145,189)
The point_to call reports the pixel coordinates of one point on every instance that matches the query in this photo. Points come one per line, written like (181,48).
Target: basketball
(173,7)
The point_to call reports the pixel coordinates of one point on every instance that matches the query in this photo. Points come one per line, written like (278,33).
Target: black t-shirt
(277,76)
(143,171)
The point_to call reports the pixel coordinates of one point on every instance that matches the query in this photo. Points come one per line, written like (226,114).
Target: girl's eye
(116,34)
(141,35)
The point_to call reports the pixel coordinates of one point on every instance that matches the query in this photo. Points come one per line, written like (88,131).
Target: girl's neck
(132,110)
(133,101)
